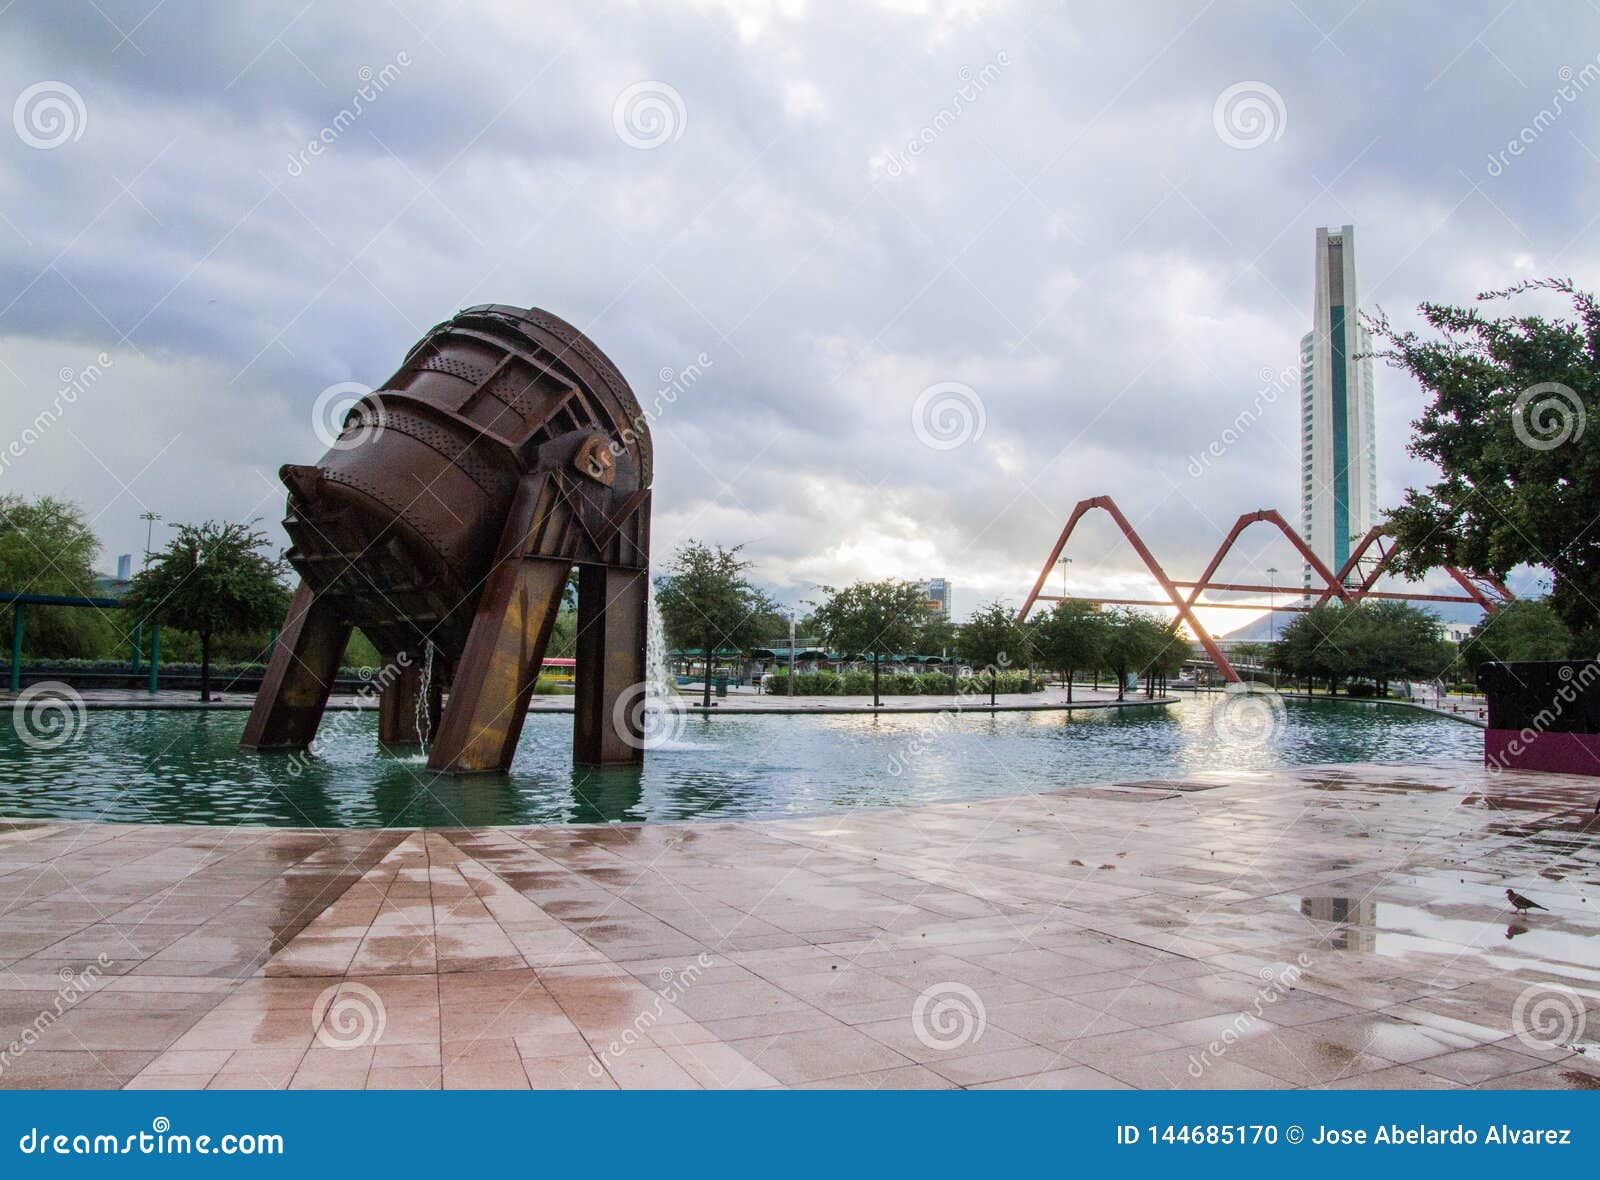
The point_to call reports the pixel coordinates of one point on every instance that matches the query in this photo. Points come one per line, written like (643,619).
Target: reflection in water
(1357,919)
(1441,928)
(186,767)
(606,794)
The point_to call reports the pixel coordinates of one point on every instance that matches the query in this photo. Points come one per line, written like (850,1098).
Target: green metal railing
(19,604)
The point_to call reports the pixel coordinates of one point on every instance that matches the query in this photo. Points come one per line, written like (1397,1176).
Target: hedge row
(858,683)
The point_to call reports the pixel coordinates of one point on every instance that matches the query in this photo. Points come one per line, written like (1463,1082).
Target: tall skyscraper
(1338,449)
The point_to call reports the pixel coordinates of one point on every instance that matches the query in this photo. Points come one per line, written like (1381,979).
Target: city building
(938,595)
(1338,447)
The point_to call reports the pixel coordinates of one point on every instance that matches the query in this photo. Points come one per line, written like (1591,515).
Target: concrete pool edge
(134,704)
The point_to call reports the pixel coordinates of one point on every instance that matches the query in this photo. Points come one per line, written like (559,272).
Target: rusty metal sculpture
(445,521)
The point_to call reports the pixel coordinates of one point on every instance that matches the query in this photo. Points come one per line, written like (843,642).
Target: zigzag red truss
(1370,560)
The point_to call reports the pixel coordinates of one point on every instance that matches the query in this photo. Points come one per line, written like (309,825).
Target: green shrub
(856,683)
(978,685)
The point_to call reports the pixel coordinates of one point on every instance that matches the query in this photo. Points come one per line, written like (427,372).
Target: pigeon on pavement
(1520,902)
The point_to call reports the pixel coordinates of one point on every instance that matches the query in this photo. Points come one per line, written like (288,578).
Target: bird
(1521,903)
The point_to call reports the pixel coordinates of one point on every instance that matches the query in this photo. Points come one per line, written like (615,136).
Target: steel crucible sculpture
(445,521)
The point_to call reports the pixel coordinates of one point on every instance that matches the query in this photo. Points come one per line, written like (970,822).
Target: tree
(1509,401)
(991,640)
(706,600)
(1377,641)
(48,547)
(1071,637)
(1137,643)
(1528,629)
(213,578)
(1312,648)
(1394,641)
(872,618)
(936,634)
(1172,651)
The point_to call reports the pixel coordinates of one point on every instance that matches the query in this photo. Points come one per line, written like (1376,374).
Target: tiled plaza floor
(1337,927)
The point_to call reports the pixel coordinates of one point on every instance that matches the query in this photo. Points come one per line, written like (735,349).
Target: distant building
(1338,447)
(937,591)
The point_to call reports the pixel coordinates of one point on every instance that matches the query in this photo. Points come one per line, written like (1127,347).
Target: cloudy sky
(1087,231)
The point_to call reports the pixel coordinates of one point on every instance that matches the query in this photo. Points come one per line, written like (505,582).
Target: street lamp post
(150,519)
(1272,615)
(1064,563)
(791,651)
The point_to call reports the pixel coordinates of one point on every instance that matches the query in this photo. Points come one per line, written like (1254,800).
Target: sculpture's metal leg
(612,622)
(494,681)
(299,677)
(398,723)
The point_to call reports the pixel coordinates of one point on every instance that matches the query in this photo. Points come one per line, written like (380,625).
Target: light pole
(791,651)
(1064,563)
(1272,615)
(150,519)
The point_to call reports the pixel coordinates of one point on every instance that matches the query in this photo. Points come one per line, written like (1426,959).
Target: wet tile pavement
(1341,927)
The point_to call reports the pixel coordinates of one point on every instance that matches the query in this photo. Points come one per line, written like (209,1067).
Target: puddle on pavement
(1565,946)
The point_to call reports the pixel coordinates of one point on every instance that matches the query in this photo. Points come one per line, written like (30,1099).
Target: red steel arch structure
(1370,559)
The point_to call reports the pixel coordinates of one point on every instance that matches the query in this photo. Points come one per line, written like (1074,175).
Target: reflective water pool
(186,767)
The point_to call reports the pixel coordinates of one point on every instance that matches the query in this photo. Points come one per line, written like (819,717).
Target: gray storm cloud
(848,205)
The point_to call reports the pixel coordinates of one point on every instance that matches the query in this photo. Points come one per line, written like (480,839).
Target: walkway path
(1341,926)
